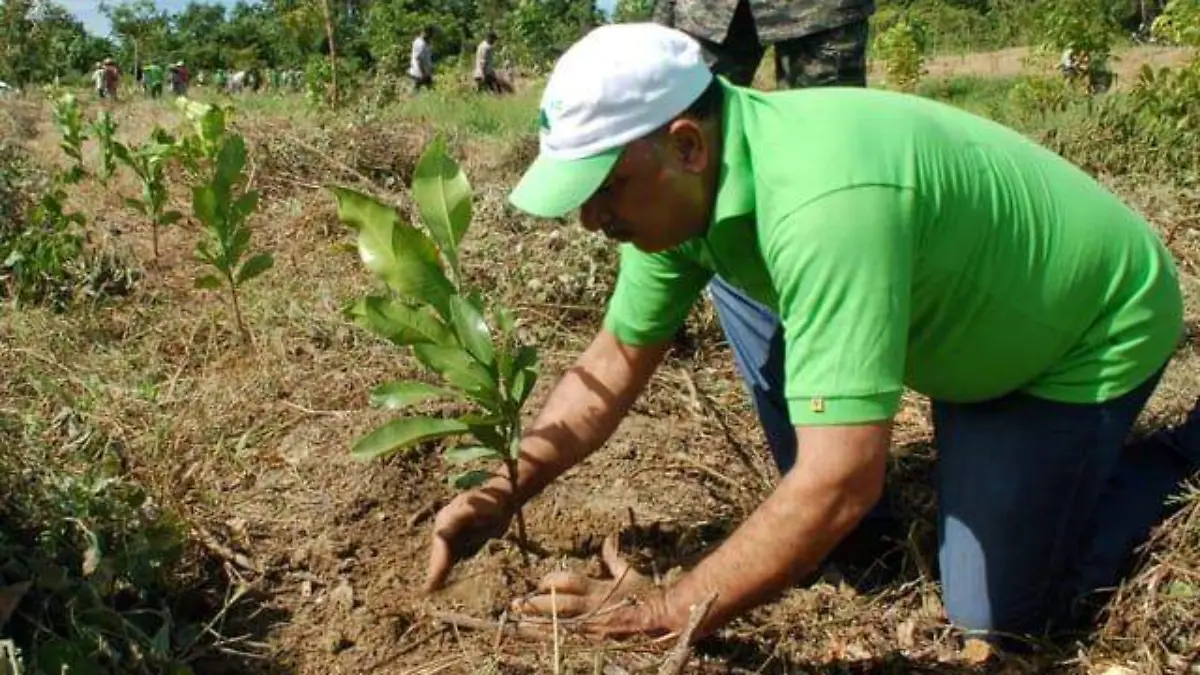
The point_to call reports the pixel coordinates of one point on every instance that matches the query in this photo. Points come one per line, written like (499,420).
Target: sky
(88,11)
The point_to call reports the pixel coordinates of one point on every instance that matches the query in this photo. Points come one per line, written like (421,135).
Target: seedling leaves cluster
(428,309)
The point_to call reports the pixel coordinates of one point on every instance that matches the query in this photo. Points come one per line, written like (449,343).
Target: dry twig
(683,648)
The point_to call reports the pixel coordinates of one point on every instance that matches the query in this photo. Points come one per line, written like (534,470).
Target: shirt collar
(735,186)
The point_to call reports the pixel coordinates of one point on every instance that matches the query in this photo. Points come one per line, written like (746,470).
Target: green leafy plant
(1086,28)
(147,162)
(68,118)
(444,325)
(198,150)
(92,562)
(1179,23)
(105,130)
(900,46)
(223,204)
(37,259)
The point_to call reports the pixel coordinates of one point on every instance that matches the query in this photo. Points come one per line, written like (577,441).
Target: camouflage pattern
(825,45)
(771,20)
(835,57)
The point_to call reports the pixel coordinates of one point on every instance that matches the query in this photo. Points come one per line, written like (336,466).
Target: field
(296,558)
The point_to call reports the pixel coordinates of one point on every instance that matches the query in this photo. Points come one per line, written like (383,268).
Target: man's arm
(837,478)
(583,410)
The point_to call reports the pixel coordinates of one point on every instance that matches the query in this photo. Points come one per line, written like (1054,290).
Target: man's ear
(688,143)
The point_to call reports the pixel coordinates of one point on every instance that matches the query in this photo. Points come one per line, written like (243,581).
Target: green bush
(87,556)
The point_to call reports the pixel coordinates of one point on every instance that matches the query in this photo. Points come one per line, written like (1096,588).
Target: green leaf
(522,385)
(230,160)
(57,655)
(160,646)
(170,218)
(443,196)
(135,205)
(401,323)
(396,395)
(470,479)
(472,331)
(204,205)
(254,267)
(470,453)
(485,428)
(246,204)
(526,357)
(399,254)
(405,433)
(505,320)
(460,370)
(208,282)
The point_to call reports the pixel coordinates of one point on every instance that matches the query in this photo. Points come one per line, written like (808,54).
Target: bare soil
(251,444)
(1126,63)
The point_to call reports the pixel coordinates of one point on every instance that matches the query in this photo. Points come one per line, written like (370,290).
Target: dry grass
(249,442)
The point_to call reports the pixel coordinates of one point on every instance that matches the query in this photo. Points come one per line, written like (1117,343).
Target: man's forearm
(583,410)
(811,510)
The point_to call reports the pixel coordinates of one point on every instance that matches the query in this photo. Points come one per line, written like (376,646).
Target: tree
(141,27)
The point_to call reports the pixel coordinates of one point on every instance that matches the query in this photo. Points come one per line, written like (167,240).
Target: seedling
(147,162)
(222,204)
(444,326)
(105,130)
(199,149)
(69,120)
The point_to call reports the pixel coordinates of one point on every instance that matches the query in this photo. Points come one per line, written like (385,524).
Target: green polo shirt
(907,243)
(152,75)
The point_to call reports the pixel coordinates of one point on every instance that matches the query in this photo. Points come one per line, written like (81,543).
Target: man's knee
(834,57)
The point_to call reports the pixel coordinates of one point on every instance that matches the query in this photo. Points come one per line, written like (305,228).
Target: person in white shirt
(420,67)
(98,79)
(485,68)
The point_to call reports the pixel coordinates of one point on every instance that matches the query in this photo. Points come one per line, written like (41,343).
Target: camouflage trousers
(833,57)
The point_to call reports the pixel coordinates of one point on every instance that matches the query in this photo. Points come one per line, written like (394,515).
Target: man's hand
(581,413)
(464,525)
(628,604)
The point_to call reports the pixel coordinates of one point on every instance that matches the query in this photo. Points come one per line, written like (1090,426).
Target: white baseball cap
(616,84)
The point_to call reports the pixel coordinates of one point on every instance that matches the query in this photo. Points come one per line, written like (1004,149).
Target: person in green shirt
(855,243)
(152,79)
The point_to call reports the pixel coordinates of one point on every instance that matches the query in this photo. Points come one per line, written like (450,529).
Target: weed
(88,558)
(40,253)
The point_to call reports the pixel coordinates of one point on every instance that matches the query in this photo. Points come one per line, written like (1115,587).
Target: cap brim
(551,188)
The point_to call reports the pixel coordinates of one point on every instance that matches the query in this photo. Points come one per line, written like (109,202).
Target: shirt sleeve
(653,294)
(842,265)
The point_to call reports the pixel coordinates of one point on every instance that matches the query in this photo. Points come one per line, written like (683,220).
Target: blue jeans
(1040,502)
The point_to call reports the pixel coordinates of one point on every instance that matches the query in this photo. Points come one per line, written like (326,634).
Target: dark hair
(709,104)
(491,36)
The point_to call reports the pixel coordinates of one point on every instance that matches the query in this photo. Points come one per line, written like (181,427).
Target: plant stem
(237,312)
(154,237)
(522,541)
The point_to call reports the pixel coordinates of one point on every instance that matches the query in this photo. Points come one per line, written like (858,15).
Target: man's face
(660,192)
